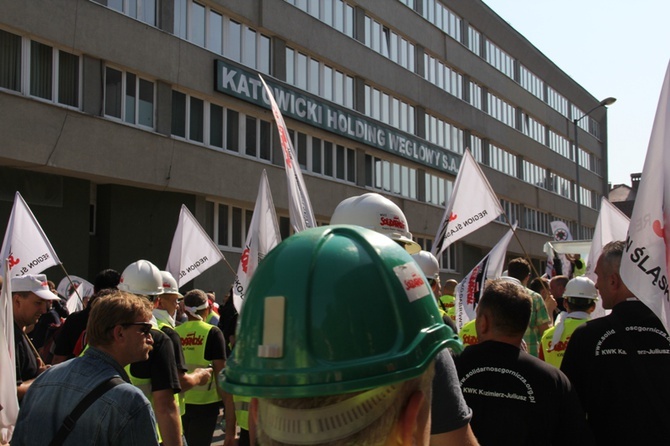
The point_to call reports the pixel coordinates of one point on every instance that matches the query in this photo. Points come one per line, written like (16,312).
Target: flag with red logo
(9,403)
(300,208)
(263,235)
(470,289)
(26,248)
(472,205)
(644,265)
(560,232)
(192,250)
(75,290)
(612,225)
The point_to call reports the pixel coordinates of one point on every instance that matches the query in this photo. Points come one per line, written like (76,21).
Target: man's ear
(409,419)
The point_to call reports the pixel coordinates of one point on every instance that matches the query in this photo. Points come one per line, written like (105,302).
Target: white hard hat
(169,283)
(581,287)
(428,264)
(143,278)
(378,213)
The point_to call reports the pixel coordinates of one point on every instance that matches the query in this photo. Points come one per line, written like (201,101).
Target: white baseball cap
(34,283)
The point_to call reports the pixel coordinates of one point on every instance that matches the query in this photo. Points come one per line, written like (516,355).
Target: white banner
(192,250)
(300,208)
(263,235)
(473,204)
(612,225)
(26,248)
(560,232)
(9,403)
(644,265)
(470,289)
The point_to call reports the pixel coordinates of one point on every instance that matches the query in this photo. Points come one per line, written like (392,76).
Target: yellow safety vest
(242,410)
(193,336)
(468,334)
(555,355)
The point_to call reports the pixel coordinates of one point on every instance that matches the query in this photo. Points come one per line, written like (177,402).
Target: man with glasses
(119,333)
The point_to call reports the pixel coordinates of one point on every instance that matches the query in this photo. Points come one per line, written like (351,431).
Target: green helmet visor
(333,310)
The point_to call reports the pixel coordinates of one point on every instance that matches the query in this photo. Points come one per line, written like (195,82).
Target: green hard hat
(333,310)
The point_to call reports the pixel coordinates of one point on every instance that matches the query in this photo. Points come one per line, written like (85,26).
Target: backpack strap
(70,420)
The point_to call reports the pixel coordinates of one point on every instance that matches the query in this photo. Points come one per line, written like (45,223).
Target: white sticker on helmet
(412,281)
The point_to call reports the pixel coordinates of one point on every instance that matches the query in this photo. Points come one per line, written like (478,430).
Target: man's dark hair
(107,278)
(560,280)
(611,255)
(508,307)
(518,268)
(538,284)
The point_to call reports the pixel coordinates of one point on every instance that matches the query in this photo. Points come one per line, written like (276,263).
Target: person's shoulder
(548,333)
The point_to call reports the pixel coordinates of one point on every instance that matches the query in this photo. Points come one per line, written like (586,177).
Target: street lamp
(605,102)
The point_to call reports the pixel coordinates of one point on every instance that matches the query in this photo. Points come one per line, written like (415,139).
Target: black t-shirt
(161,366)
(27,366)
(176,344)
(449,409)
(517,399)
(215,347)
(69,334)
(625,396)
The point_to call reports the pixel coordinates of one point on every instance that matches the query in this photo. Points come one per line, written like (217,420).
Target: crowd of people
(347,338)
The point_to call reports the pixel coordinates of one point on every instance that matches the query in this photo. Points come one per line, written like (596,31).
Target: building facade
(114,113)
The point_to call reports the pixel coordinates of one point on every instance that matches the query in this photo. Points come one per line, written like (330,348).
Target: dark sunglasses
(145,327)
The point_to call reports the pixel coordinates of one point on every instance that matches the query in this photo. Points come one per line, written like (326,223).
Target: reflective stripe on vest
(242,410)
(193,336)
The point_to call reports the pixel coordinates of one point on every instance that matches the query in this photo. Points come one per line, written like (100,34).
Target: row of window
(444,19)
(318,78)
(39,70)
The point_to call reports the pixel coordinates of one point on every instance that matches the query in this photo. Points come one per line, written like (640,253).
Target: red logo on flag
(453,217)
(245,260)
(13,262)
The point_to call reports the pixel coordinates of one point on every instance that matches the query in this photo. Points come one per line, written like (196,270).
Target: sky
(611,48)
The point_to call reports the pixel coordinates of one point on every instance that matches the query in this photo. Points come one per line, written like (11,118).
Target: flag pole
(230,267)
(72,284)
(524,250)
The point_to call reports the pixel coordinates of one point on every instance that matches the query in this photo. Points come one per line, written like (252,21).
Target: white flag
(192,250)
(9,403)
(263,235)
(644,265)
(473,204)
(75,292)
(612,225)
(470,289)
(25,247)
(300,208)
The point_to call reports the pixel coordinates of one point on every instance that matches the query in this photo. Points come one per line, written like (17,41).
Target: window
(337,14)
(10,61)
(443,134)
(390,177)
(499,59)
(535,220)
(534,174)
(503,161)
(309,74)
(324,157)
(230,225)
(200,121)
(531,82)
(438,190)
(208,28)
(442,17)
(511,211)
(501,110)
(129,97)
(143,10)
(443,76)
(389,44)
(389,110)
(532,128)
(447,260)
